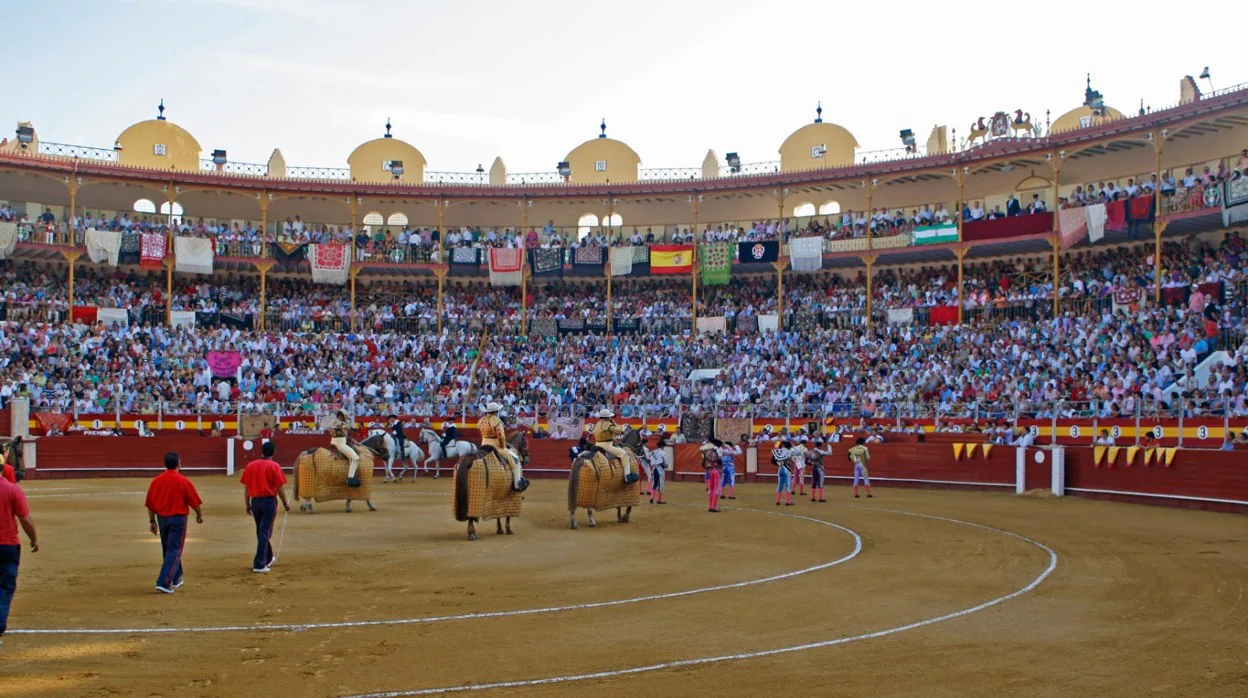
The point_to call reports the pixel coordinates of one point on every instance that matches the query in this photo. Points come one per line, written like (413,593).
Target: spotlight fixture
(734,163)
(565,169)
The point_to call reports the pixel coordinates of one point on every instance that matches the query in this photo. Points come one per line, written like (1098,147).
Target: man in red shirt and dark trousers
(13,509)
(169,497)
(263,479)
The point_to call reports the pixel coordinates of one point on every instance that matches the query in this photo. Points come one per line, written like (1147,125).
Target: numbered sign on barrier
(179,425)
(97,424)
(1202,432)
(219,425)
(1158,432)
(1116,432)
(138,424)
(1034,430)
(1074,431)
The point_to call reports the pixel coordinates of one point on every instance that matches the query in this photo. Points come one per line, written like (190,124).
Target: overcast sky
(465,81)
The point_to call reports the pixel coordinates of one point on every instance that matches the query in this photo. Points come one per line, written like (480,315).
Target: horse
(484,488)
(385,445)
(324,478)
(597,483)
(457,449)
(13,456)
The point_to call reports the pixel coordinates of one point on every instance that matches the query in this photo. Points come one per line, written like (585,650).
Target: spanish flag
(671,259)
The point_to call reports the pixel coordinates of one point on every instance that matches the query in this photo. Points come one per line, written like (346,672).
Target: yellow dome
(160,144)
(1093,111)
(818,145)
(370,162)
(601,160)
(1083,117)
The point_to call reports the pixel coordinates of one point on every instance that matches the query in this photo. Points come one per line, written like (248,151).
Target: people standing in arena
(784,475)
(713,463)
(264,484)
(13,510)
(657,461)
(859,455)
(729,454)
(815,456)
(170,498)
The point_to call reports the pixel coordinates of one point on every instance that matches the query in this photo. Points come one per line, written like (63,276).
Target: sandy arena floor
(1029,597)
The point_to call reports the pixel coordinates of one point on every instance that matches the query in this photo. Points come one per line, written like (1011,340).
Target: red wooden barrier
(1205,479)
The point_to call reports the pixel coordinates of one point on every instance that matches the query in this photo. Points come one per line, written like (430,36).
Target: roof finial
(161,110)
(603,126)
(388,128)
(819,113)
(1142,112)
(1089,81)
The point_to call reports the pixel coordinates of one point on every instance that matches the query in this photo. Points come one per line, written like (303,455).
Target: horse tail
(461,489)
(574,483)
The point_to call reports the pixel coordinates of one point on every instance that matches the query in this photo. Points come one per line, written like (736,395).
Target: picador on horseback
(494,435)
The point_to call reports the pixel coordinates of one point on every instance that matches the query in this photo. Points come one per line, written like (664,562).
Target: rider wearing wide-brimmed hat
(493,434)
(339,430)
(605,432)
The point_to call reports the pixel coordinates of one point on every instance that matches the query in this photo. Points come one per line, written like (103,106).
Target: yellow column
(169,291)
(440,272)
(441,237)
(958,214)
(607,270)
(1159,227)
(694,266)
(960,252)
(352,273)
(71,256)
(1056,243)
(524,297)
(355,210)
(264,268)
(870,262)
(73,197)
(264,227)
(173,190)
(870,236)
(779,265)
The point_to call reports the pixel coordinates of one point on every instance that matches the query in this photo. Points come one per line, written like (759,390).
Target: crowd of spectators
(1098,357)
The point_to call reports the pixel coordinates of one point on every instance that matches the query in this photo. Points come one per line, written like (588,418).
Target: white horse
(456,449)
(412,454)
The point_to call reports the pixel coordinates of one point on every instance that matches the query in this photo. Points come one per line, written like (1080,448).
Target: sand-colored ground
(1142,601)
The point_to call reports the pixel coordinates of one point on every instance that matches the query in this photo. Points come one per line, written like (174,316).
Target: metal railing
(77,151)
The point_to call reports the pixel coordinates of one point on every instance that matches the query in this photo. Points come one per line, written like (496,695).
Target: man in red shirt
(13,509)
(263,479)
(169,497)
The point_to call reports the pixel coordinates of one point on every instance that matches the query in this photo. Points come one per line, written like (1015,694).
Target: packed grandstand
(1093,286)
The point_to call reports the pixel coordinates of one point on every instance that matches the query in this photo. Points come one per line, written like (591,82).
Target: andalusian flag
(716,264)
(671,259)
(936,234)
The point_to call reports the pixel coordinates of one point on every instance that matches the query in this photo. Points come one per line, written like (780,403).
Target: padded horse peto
(482,488)
(597,483)
(321,476)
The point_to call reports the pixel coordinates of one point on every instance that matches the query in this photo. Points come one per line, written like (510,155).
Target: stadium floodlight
(218,158)
(396,168)
(734,163)
(25,135)
(565,169)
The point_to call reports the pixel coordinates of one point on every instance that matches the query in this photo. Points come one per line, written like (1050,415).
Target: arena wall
(1216,480)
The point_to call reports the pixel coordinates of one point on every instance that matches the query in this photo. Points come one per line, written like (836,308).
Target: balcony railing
(85,152)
